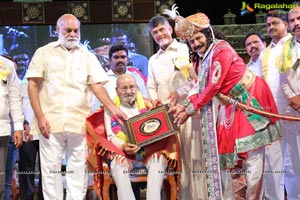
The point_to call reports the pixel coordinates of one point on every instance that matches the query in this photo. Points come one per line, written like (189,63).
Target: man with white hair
(61,77)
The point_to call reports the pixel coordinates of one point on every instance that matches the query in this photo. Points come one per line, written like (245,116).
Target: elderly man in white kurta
(167,83)
(61,78)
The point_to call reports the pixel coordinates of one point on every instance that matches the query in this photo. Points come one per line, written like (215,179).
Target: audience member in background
(277,26)
(11,103)
(289,66)
(136,60)
(254,43)
(61,78)
(22,56)
(12,152)
(118,57)
(29,151)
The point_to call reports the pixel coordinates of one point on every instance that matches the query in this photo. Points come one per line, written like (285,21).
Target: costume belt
(242,106)
(247,79)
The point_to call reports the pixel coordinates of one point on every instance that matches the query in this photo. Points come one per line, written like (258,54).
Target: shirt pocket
(80,74)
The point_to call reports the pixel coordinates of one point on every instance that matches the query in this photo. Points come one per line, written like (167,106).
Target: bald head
(67,18)
(125,78)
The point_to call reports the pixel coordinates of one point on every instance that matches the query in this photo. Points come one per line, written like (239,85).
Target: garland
(115,126)
(4,71)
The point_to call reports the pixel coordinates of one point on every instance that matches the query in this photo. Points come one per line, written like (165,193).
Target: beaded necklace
(115,126)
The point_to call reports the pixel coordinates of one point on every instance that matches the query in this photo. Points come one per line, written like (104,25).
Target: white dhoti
(193,177)
(274,172)
(156,171)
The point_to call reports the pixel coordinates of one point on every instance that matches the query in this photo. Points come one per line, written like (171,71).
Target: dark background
(216,9)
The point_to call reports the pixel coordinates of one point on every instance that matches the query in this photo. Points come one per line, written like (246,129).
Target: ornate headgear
(186,27)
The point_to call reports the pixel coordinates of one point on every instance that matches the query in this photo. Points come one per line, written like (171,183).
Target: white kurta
(274,153)
(120,170)
(290,84)
(255,67)
(163,79)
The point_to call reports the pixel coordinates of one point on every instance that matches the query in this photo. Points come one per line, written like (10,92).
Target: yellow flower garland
(4,71)
(115,125)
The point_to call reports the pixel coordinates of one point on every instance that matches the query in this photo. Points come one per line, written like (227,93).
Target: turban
(186,27)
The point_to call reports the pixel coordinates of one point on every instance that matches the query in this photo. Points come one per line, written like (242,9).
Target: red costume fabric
(243,132)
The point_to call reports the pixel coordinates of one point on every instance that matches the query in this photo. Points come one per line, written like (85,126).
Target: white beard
(128,101)
(69,44)
(163,42)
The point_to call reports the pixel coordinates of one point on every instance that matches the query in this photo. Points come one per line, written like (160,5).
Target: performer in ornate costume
(240,134)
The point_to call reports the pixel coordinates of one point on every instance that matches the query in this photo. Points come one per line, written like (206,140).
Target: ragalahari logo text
(246,9)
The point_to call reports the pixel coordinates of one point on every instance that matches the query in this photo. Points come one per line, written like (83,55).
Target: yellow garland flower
(117,101)
(4,71)
(183,64)
(284,62)
(122,136)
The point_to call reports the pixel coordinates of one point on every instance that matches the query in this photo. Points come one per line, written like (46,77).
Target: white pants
(273,171)
(156,167)
(253,166)
(292,158)
(52,151)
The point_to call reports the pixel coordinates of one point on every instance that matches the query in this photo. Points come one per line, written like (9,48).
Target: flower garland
(4,71)
(115,126)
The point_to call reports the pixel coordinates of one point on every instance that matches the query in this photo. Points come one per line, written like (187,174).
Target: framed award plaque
(151,126)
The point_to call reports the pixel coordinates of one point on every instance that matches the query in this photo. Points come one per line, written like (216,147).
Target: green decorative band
(189,108)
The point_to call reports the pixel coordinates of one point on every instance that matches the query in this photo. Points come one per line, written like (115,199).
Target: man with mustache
(277,26)
(289,82)
(235,143)
(10,114)
(168,83)
(254,42)
(156,156)
(139,61)
(29,151)
(118,57)
(62,76)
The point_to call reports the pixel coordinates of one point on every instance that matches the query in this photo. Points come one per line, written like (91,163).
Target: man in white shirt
(29,151)
(168,84)
(118,57)
(61,78)
(11,103)
(277,25)
(254,43)
(136,60)
(289,66)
